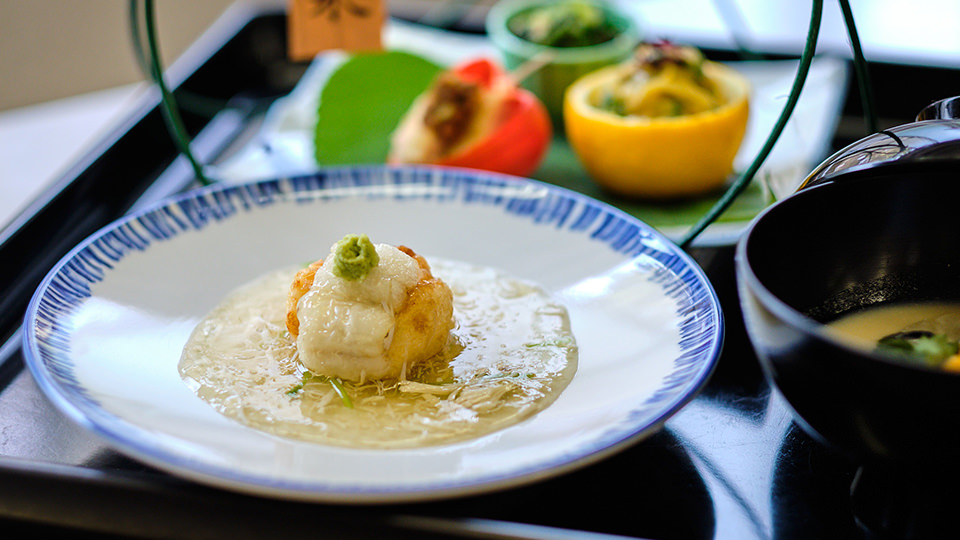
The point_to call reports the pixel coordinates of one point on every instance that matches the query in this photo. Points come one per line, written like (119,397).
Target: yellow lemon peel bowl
(661,158)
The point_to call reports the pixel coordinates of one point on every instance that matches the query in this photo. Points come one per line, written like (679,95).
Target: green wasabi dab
(354,257)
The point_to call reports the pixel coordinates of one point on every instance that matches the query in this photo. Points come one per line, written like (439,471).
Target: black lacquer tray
(732,464)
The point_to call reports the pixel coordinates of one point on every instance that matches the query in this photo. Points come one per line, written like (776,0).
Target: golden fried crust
(304,280)
(423,323)
(420,261)
(301,284)
(419,332)
(421,327)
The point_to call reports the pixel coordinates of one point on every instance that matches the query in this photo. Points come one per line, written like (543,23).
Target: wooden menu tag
(314,26)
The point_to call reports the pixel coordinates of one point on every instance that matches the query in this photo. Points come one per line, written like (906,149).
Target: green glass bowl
(568,63)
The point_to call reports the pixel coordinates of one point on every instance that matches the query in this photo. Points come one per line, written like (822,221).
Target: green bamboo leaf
(362,103)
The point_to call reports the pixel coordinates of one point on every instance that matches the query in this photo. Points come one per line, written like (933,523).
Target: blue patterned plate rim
(46,350)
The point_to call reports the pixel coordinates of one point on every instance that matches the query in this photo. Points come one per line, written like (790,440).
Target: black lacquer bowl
(881,235)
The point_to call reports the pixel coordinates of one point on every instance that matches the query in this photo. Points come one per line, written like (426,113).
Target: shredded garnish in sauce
(511,354)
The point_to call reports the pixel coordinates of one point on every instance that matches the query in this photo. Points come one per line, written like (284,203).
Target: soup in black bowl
(885,236)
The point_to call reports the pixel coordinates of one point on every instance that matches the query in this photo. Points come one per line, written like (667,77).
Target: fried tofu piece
(350,334)
(301,284)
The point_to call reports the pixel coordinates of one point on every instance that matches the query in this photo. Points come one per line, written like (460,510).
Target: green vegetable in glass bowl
(566,38)
(564,24)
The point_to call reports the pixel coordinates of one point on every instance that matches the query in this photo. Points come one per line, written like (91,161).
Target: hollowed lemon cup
(657,157)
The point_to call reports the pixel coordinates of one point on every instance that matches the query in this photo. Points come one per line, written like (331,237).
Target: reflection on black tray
(906,504)
(652,490)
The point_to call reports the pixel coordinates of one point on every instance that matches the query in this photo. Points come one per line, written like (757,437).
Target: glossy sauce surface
(510,355)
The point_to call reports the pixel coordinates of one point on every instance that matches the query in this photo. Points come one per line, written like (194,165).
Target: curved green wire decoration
(187,101)
(860,66)
(168,104)
(741,183)
(152,66)
(137,39)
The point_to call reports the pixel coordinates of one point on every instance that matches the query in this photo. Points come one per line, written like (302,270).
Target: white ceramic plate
(105,329)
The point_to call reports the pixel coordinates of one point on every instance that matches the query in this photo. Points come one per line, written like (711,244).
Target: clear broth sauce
(510,355)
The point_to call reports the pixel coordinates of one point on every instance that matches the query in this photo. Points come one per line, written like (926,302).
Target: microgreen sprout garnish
(341,391)
(336,383)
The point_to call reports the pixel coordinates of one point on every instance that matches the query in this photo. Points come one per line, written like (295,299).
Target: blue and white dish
(104,331)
